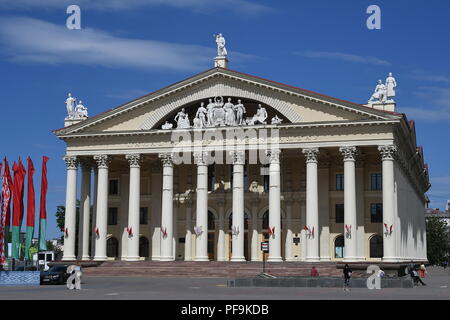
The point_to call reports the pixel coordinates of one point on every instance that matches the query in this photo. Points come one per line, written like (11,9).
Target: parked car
(57,274)
(27,268)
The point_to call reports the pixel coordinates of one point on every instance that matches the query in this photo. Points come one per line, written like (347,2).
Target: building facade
(333,180)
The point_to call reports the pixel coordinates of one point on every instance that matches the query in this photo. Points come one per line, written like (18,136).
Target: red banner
(44,187)
(30,195)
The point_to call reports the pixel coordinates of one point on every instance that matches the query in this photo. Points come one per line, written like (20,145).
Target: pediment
(293,105)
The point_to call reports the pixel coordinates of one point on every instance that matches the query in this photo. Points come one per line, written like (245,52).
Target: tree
(60,221)
(438,240)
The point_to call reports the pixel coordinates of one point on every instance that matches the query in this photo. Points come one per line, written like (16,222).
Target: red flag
(44,187)
(22,172)
(31,196)
(16,196)
(7,188)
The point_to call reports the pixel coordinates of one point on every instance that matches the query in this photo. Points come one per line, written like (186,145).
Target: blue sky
(128,48)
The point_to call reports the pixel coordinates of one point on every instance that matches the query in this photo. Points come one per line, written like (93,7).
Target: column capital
(273,155)
(311,154)
(71,162)
(103,161)
(387,152)
(348,153)
(134,160)
(201,158)
(167,159)
(238,157)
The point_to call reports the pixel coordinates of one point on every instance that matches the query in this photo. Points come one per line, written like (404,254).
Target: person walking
(314,272)
(347,274)
(415,276)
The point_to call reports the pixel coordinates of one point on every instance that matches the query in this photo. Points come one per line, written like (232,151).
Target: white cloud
(34,41)
(437,107)
(345,57)
(238,6)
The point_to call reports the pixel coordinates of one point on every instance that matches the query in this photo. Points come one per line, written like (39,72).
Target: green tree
(60,221)
(438,240)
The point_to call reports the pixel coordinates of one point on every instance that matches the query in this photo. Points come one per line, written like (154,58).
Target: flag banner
(43,206)
(6,194)
(30,210)
(19,175)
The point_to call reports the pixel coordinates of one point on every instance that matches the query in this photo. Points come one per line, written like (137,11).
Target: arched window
(112,247)
(143,247)
(339,247)
(376,246)
(230,221)
(211,221)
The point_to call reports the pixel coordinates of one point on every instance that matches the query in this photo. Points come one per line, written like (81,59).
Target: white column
(102,206)
(85,210)
(289,235)
(175,228)
(237,252)
(255,245)
(312,209)
(360,219)
(155,219)
(123,220)
(350,233)
(201,242)
(302,230)
(188,237)
(71,210)
(134,201)
(94,212)
(387,156)
(324,209)
(221,235)
(274,206)
(167,208)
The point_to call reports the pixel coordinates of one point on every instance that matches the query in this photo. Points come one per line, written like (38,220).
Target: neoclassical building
(332,180)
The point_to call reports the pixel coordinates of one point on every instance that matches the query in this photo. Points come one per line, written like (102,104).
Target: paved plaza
(438,288)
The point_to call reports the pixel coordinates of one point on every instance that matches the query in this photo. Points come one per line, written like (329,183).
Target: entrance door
(211,245)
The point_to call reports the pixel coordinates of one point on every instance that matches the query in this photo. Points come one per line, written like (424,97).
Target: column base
(390,259)
(350,259)
(100,258)
(188,259)
(290,260)
(274,259)
(201,259)
(325,259)
(361,258)
(132,259)
(256,260)
(221,260)
(312,259)
(155,258)
(238,259)
(69,258)
(167,258)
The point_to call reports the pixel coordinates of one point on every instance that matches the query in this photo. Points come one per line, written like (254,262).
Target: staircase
(211,269)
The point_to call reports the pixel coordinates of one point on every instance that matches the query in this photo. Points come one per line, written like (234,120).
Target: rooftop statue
(391,84)
(230,116)
(182,120)
(70,105)
(276,120)
(167,126)
(379,96)
(81,111)
(260,116)
(240,110)
(221,50)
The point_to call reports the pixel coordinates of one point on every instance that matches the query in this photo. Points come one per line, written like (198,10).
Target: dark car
(25,268)
(57,274)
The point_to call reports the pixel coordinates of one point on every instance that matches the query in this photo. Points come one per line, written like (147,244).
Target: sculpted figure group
(384,93)
(217,113)
(75,112)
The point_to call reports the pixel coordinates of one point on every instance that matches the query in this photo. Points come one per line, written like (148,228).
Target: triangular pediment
(293,105)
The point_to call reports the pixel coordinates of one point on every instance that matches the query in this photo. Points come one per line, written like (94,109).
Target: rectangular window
(113,187)
(112,216)
(211,177)
(143,215)
(376,180)
(339,181)
(376,212)
(339,213)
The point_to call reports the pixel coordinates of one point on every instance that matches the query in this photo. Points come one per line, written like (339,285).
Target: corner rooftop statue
(384,94)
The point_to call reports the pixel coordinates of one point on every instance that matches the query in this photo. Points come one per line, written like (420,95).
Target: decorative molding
(71,162)
(348,153)
(103,161)
(387,152)
(311,154)
(134,160)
